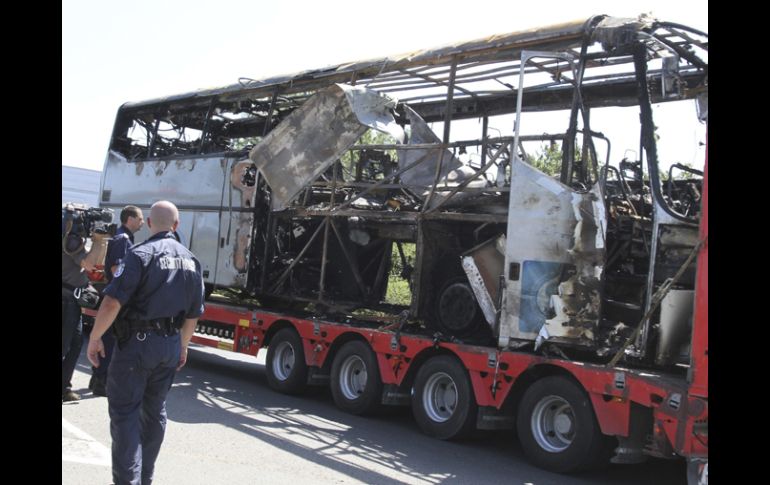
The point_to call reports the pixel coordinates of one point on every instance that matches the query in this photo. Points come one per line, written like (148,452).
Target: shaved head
(164,216)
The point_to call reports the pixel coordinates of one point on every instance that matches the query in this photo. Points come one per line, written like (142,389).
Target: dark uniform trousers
(139,378)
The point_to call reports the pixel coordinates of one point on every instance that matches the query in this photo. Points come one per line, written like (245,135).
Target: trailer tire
(356,384)
(443,402)
(286,368)
(457,312)
(557,427)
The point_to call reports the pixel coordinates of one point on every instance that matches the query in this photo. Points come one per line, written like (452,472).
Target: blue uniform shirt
(159,278)
(117,248)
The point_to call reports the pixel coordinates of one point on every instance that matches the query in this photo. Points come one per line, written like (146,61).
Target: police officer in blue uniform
(131,220)
(154,300)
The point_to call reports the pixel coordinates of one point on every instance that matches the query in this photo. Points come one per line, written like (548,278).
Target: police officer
(131,220)
(156,292)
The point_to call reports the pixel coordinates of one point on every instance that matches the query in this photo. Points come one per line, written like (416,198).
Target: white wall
(80,185)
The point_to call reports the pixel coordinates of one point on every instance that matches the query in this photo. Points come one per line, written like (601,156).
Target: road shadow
(235,393)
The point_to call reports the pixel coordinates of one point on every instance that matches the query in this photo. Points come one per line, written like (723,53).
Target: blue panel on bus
(539,280)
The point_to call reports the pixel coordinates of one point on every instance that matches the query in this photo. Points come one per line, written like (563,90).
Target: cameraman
(73,262)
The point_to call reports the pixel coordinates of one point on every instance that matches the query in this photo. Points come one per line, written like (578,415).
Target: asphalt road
(226,426)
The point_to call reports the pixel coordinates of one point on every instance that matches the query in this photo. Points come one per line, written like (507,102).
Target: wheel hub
(283,362)
(440,397)
(353,377)
(553,424)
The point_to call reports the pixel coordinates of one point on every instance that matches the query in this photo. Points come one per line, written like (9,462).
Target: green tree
(548,159)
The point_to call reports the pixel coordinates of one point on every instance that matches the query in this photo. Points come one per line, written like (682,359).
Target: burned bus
(491,161)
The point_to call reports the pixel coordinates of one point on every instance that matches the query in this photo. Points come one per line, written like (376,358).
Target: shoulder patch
(118,270)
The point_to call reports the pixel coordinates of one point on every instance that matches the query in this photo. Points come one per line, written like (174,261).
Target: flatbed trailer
(454,387)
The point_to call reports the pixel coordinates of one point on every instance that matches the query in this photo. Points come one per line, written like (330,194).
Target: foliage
(548,159)
(242,143)
(409,254)
(398,292)
(398,288)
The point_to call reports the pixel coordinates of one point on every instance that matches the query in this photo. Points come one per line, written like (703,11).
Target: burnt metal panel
(483,265)
(210,207)
(422,176)
(186,182)
(235,226)
(315,135)
(554,235)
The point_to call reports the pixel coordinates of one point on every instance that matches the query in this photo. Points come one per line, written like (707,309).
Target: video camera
(83,221)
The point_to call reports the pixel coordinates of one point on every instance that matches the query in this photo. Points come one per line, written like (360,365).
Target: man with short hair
(131,220)
(156,293)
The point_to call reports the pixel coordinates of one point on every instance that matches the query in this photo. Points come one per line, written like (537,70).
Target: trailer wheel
(286,367)
(557,427)
(458,314)
(443,403)
(356,384)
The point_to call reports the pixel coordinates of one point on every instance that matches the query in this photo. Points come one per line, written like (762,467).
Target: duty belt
(162,326)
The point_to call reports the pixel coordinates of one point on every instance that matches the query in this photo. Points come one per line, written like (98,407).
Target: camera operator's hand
(87,265)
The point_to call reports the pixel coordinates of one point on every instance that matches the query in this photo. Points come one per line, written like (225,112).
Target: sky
(114,52)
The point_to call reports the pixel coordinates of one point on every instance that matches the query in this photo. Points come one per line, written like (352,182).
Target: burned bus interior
(428,168)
